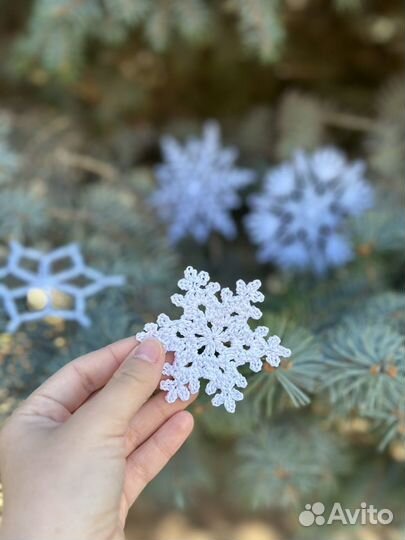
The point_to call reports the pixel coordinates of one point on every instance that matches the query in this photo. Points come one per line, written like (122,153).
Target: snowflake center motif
(53,293)
(212,339)
(314,212)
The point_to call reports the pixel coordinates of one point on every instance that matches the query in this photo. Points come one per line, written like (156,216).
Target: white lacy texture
(198,186)
(212,339)
(298,219)
(48,281)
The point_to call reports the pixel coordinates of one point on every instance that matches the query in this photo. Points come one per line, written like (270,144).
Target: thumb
(130,386)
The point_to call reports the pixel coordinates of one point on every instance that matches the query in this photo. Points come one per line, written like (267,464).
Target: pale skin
(78,451)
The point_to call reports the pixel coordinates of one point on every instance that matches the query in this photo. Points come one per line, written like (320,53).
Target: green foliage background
(87,87)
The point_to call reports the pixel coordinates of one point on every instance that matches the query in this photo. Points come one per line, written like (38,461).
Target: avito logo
(365,515)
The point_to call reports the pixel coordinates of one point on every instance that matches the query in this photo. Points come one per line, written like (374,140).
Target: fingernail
(149,350)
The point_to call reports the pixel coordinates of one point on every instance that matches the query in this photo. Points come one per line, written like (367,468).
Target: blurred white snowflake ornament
(297,221)
(35,275)
(198,186)
(212,339)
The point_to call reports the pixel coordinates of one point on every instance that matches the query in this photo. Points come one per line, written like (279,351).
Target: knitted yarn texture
(212,339)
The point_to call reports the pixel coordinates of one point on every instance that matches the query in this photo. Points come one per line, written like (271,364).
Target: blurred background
(87,90)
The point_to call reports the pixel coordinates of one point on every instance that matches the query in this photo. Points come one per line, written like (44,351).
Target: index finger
(77,380)
(131,386)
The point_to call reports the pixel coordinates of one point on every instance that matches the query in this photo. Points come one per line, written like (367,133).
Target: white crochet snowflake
(198,185)
(47,281)
(297,221)
(212,339)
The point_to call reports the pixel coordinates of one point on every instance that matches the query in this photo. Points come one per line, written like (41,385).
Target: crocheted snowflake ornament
(297,221)
(198,185)
(212,339)
(46,281)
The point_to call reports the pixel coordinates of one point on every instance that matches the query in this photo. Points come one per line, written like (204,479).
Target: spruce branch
(389,420)
(87,163)
(300,124)
(349,5)
(386,141)
(380,229)
(363,365)
(349,121)
(188,473)
(218,424)
(10,160)
(285,462)
(260,25)
(387,307)
(22,214)
(296,377)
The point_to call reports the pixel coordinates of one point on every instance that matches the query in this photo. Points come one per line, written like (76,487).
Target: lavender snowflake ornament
(198,186)
(298,221)
(212,339)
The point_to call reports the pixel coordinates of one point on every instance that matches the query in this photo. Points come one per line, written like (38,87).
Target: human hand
(78,451)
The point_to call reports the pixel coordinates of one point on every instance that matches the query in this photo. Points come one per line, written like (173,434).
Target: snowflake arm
(212,339)
(48,281)
(198,186)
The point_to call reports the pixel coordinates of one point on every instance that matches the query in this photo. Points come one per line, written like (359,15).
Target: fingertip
(152,350)
(184,421)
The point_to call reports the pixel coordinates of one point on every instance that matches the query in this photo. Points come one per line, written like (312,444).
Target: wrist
(25,530)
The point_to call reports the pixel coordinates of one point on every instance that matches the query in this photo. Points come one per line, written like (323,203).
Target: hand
(77,453)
